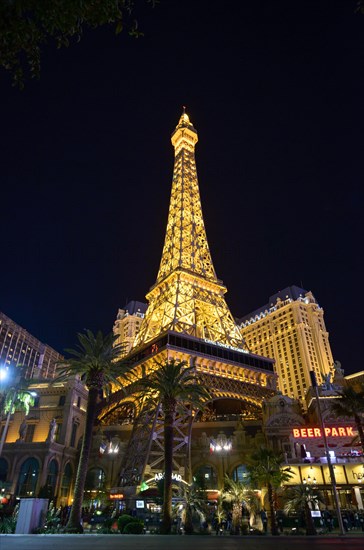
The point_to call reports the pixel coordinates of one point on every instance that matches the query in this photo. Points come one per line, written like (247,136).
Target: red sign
(342,431)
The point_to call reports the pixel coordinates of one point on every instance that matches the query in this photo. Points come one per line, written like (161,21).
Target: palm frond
(96,360)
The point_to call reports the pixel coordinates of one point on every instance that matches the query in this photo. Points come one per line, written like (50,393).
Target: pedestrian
(345,522)
(263,515)
(356,520)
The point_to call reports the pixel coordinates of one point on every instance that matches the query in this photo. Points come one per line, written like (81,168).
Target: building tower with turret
(291,330)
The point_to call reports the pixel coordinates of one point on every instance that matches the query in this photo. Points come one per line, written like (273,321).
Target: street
(160,542)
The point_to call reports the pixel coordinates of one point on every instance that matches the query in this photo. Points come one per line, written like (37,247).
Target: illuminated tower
(187,296)
(187,319)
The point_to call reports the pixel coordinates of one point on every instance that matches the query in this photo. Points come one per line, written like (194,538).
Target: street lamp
(309,480)
(327,452)
(221,445)
(112,449)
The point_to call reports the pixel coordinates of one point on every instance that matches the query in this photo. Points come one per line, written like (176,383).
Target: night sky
(275,91)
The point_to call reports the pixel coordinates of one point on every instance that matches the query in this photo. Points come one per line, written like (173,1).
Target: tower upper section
(185,244)
(187,296)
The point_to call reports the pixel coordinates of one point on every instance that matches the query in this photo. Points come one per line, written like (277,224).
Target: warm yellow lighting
(187,296)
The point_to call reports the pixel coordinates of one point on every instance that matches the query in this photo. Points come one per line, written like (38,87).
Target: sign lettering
(160,475)
(333,431)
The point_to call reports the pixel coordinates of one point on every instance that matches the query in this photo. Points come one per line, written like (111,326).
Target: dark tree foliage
(28,25)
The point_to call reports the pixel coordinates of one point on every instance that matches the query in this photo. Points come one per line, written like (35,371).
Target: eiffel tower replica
(187,319)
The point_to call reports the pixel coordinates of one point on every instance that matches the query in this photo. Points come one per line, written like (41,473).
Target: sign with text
(339,431)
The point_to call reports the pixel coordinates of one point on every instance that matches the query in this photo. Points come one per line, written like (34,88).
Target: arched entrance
(95,493)
(28,478)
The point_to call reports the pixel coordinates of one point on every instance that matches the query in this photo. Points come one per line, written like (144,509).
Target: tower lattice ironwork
(187,296)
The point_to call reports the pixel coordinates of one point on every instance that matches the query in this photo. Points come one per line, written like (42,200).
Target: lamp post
(111,449)
(328,457)
(221,445)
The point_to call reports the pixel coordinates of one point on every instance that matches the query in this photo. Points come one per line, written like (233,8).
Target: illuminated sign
(116,496)
(175,477)
(342,431)
(222,345)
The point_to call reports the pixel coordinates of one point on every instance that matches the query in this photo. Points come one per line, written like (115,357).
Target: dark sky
(275,91)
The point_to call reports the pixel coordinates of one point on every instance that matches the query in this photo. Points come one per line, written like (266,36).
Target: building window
(62,400)
(73,434)
(240,474)
(28,478)
(52,478)
(29,434)
(205,477)
(66,481)
(58,433)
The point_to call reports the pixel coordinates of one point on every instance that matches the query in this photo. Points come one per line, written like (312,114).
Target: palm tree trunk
(168,469)
(74,524)
(236,519)
(273,522)
(188,521)
(310,526)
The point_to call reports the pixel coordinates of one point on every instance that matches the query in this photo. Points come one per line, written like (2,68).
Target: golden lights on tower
(187,296)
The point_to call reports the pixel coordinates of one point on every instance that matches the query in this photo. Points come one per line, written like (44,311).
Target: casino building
(187,318)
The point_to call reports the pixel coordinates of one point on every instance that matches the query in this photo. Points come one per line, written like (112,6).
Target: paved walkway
(175,542)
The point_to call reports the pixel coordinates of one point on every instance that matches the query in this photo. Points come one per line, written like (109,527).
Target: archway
(66,482)
(95,493)
(51,479)
(28,478)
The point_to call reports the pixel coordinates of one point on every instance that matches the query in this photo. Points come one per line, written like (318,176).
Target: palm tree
(220,515)
(350,405)
(194,501)
(173,385)
(96,361)
(15,398)
(304,498)
(265,470)
(236,493)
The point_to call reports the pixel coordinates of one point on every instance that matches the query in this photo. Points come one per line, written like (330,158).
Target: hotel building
(291,330)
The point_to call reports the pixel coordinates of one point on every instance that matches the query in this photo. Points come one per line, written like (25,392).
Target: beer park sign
(333,431)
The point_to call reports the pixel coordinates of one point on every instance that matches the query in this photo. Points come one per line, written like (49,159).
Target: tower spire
(187,296)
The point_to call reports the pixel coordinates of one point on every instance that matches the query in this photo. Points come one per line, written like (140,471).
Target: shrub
(7,526)
(108,523)
(136,527)
(123,520)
